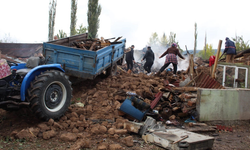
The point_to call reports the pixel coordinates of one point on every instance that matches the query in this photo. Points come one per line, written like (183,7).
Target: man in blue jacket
(230,50)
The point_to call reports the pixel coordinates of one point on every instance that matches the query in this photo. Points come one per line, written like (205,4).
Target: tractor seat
(32,62)
(23,71)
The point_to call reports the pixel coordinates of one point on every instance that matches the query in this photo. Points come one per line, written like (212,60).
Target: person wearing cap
(150,57)
(230,50)
(130,59)
(171,53)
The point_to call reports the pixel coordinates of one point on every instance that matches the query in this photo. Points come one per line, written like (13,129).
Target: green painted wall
(223,104)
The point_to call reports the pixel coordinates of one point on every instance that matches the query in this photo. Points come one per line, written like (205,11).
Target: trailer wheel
(110,71)
(50,95)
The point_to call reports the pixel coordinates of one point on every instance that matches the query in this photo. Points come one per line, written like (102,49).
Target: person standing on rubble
(150,57)
(170,58)
(130,59)
(230,50)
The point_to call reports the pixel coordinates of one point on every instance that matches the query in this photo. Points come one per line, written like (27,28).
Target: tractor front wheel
(50,95)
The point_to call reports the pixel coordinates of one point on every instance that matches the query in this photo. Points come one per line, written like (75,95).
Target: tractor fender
(30,76)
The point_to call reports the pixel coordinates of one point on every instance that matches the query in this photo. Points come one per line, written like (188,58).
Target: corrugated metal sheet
(20,50)
(205,81)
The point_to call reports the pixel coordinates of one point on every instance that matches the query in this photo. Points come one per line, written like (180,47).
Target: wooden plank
(120,68)
(190,71)
(216,59)
(67,40)
(185,89)
(201,129)
(118,39)
(105,44)
(84,48)
(191,65)
(93,45)
(110,39)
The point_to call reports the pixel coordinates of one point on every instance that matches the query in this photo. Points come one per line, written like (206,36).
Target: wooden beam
(190,69)
(118,39)
(105,44)
(185,89)
(216,59)
(93,46)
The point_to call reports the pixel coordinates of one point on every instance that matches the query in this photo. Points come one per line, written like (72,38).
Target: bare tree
(195,38)
(52,15)
(205,44)
(73,17)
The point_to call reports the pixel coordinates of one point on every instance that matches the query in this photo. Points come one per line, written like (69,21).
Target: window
(232,76)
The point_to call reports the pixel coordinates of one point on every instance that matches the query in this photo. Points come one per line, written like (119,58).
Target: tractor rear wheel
(50,95)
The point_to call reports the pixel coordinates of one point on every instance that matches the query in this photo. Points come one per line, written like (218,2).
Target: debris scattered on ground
(97,119)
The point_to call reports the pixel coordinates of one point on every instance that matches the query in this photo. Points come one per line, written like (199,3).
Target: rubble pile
(242,57)
(101,113)
(95,112)
(138,68)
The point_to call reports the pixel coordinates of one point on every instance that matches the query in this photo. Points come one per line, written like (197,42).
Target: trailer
(84,64)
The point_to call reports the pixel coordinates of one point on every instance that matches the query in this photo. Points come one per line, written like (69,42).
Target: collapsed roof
(16,52)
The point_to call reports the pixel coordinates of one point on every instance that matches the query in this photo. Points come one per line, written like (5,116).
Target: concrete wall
(223,104)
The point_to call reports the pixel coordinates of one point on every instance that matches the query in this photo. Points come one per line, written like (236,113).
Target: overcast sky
(26,21)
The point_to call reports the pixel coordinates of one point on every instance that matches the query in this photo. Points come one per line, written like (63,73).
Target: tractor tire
(50,94)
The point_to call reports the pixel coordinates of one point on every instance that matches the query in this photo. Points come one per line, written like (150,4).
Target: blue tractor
(41,83)
(44,88)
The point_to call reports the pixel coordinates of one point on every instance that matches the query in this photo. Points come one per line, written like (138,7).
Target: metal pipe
(236,72)
(224,75)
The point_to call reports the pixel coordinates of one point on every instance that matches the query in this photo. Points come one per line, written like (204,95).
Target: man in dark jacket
(150,57)
(130,59)
(230,50)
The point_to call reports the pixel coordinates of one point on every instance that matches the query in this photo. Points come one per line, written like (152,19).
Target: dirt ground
(97,125)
